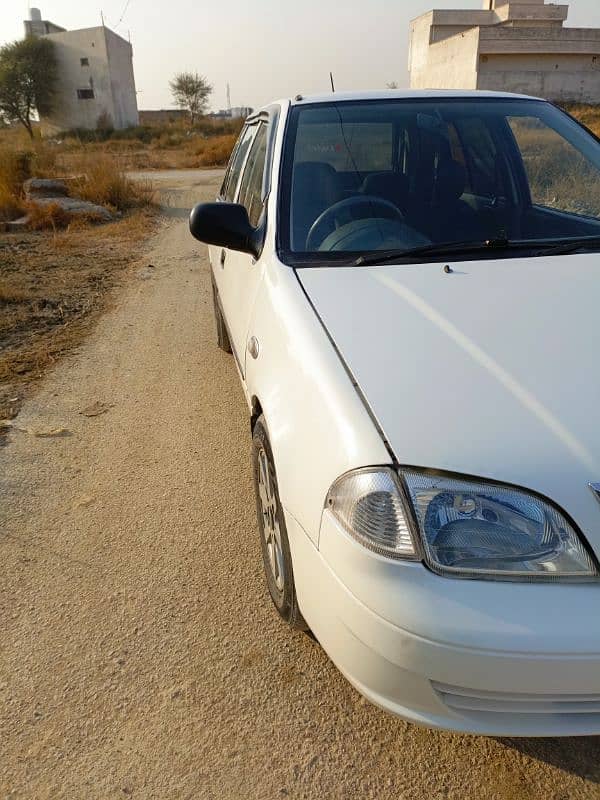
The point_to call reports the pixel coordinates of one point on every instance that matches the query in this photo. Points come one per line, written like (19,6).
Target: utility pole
(228,98)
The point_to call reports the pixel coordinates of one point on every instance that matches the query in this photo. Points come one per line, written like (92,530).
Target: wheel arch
(255,411)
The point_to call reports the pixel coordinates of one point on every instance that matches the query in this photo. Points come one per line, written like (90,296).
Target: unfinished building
(96,85)
(517,46)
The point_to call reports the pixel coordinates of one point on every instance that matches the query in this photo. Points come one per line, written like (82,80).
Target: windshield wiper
(442,249)
(572,246)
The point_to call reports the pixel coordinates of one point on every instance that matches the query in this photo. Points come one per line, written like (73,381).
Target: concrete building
(510,45)
(96,86)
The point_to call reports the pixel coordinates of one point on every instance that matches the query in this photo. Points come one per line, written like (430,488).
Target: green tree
(191,92)
(28,72)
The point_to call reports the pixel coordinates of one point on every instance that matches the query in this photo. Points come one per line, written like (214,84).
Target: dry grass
(556,171)
(12,294)
(47,217)
(99,180)
(588,115)
(11,207)
(215,152)
(99,161)
(14,169)
(167,146)
(53,288)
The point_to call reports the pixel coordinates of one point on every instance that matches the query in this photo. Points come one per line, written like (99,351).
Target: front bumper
(501,659)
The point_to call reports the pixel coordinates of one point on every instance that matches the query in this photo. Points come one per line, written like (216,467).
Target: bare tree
(190,92)
(28,73)
(392,85)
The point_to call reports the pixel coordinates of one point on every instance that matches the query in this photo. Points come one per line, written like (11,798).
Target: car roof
(404,94)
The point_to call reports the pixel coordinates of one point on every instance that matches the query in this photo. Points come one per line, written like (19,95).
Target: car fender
(318,425)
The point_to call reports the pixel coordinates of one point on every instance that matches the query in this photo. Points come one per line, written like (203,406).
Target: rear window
(353,146)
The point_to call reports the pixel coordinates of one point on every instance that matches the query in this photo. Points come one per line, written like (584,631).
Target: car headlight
(465,527)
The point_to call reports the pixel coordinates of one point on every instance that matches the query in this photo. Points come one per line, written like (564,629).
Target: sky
(265,49)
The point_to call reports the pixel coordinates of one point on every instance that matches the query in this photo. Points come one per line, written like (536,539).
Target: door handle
(223,257)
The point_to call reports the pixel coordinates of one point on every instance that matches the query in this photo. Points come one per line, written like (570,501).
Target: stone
(45,187)
(16,225)
(75,206)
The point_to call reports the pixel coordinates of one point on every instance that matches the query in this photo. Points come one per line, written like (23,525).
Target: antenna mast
(332,83)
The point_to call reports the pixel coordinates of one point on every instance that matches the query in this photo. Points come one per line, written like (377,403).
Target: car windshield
(368,176)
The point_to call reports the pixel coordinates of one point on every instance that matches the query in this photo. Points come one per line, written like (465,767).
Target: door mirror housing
(225,225)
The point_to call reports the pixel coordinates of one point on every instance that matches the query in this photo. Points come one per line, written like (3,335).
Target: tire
(222,336)
(275,546)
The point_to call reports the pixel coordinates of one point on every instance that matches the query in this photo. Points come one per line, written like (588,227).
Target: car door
(239,273)
(228,194)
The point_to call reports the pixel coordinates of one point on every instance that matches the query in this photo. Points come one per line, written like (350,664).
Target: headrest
(450,182)
(313,170)
(390,186)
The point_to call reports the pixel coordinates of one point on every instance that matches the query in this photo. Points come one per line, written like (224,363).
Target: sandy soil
(139,653)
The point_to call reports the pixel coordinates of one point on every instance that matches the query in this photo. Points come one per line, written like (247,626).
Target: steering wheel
(345,211)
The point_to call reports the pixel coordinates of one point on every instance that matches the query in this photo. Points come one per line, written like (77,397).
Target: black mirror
(225,225)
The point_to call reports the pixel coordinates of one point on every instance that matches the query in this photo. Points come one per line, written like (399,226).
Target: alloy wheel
(269,509)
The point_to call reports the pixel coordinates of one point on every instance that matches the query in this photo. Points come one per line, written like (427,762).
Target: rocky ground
(139,653)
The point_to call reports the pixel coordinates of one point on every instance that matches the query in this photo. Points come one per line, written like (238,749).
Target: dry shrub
(49,216)
(214,152)
(100,180)
(168,139)
(52,216)
(16,166)
(14,169)
(588,115)
(43,160)
(11,206)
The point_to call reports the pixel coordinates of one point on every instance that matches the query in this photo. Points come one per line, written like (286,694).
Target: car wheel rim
(270,521)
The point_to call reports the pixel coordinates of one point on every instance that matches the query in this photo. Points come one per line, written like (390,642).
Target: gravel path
(139,653)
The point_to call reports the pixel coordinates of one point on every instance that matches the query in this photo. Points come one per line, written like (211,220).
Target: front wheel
(274,541)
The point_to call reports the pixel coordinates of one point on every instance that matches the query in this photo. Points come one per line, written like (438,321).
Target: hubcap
(270,521)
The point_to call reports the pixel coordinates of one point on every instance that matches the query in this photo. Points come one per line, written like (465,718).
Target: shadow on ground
(176,213)
(578,755)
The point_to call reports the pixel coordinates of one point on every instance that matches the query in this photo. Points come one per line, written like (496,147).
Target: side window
(251,187)
(235,165)
(559,176)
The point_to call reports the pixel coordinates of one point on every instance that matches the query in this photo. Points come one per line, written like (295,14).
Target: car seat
(315,188)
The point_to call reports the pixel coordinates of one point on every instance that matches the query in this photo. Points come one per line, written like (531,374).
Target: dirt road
(139,653)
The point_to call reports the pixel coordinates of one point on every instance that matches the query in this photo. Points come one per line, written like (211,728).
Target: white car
(410,285)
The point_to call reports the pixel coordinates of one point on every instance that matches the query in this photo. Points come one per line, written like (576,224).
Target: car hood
(492,369)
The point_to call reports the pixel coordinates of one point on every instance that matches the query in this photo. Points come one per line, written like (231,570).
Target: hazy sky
(265,48)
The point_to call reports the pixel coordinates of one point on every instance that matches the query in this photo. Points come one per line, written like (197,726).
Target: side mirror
(225,225)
